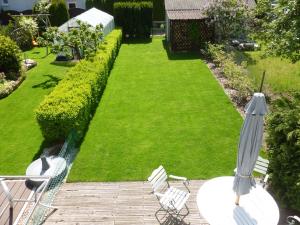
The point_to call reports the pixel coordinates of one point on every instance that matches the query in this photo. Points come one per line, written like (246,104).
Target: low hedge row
(135,18)
(235,74)
(73,101)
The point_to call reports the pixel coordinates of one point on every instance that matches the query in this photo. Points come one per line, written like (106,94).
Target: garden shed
(93,17)
(186,26)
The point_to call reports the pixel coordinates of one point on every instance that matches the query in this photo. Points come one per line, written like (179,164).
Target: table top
(216,203)
(57,165)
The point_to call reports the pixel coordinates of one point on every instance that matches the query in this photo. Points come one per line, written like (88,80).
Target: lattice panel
(181,30)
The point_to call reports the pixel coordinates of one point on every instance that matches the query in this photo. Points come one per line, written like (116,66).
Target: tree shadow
(137,40)
(180,55)
(51,82)
(64,63)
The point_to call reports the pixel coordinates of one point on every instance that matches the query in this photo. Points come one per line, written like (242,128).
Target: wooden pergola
(186,26)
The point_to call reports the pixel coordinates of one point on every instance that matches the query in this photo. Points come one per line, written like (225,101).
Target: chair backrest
(261,165)
(158,178)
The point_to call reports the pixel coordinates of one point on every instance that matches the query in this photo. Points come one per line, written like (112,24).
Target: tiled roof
(191,9)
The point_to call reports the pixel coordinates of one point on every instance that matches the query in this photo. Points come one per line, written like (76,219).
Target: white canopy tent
(93,17)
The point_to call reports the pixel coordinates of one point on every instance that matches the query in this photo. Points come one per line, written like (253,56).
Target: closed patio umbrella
(249,145)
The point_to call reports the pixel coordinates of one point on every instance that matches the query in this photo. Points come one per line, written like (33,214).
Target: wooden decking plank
(15,192)
(114,203)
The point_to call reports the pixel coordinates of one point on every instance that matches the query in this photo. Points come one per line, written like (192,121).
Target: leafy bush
(135,18)
(10,62)
(159,10)
(22,31)
(59,12)
(73,101)
(41,6)
(283,127)
(230,19)
(237,76)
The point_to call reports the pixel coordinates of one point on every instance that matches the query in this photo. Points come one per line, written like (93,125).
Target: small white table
(215,200)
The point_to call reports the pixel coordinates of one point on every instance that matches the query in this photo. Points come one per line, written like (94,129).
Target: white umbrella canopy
(250,143)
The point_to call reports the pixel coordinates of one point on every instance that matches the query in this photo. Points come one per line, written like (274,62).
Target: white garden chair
(293,220)
(261,167)
(171,199)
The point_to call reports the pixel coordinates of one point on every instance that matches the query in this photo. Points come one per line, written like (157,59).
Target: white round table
(215,200)
(57,166)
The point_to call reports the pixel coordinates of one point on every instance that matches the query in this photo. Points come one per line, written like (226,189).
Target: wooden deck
(115,203)
(18,190)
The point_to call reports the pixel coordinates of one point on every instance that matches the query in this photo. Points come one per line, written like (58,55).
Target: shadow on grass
(38,54)
(137,40)
(179,55)
(64,63)
(51,82)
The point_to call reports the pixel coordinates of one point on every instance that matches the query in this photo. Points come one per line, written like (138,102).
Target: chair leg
(160,210)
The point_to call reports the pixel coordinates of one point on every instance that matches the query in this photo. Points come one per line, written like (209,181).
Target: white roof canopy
(92,17)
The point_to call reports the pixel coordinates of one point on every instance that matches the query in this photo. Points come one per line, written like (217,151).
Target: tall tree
(280,29)
(230,19)
(59,12)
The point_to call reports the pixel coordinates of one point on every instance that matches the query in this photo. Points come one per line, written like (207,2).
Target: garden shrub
(59,13)
(237,75)
(159,10)
(135,18)
(283,141)
(10,62)
(73,101)
(22,30)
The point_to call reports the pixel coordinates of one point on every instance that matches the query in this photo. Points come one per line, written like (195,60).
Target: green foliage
(29,24)
(237,75)
(135,18)
(230,19)
(82,41)
(10,62)
(280,29)
(105,5)
(41,6)
(283,142)
(22,31)
(159,10)
(281,74)
(59,12)
(73,102)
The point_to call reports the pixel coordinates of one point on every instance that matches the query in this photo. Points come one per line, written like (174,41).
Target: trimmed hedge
(107,6)
(134,17)
(73,101)
(59,12)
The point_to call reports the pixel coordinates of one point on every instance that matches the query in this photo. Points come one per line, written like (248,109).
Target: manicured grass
(159,109)
(281,75)
(20,135)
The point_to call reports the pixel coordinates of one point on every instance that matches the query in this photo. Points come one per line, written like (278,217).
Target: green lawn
(20,135)
(281,75)
(159,109)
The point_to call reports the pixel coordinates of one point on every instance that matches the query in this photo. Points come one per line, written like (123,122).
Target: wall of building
(18,5)
(21,5)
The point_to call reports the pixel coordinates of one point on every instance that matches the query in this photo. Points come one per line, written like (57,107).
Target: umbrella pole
(237,200)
